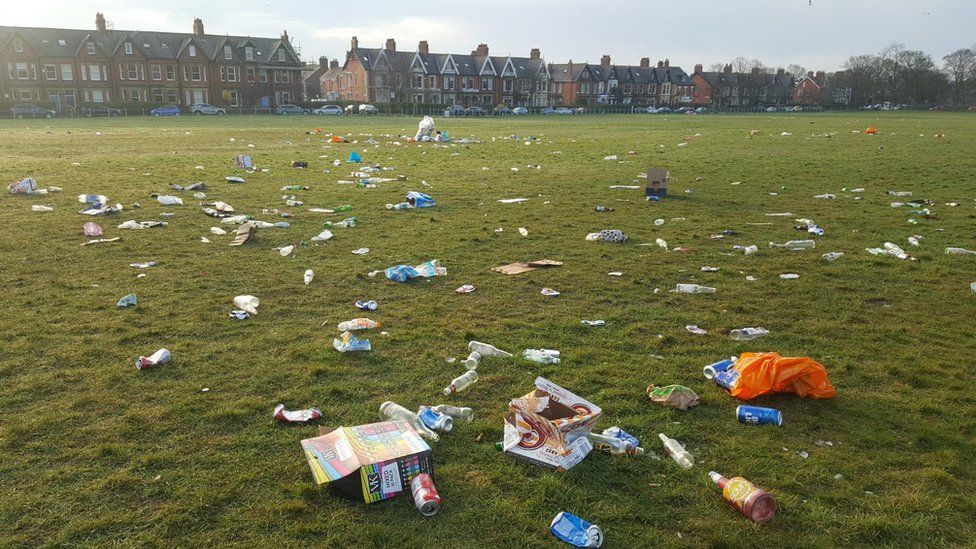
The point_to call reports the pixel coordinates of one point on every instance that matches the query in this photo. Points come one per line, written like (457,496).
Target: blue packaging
(576,531)
(712,370)
(726,378)
(757,415)
(435,420)
(617,432)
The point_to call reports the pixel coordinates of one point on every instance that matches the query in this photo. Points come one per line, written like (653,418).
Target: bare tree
(798,71)
(716,67)
(741,64)
(960,66)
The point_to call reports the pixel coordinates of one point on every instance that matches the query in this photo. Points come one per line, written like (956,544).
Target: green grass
(96,453)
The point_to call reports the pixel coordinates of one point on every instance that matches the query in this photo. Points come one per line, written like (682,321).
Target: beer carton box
(370,462)
(548,426)
(657,181)
(243,161)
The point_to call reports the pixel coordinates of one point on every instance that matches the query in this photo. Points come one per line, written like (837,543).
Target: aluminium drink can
(425,495)
(757,415)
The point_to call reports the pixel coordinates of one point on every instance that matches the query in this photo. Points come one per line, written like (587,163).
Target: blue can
(726,379)
(617,432)
(757,415)
(712,370)
(435,420)
(576,531)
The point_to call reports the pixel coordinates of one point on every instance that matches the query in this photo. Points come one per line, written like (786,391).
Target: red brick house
(809,89)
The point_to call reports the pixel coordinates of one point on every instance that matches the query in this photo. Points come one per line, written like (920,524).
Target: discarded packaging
(465,289)
(693,289)
(542,356)
(347,342)
(127,301)
(576,531)
(392,410)
(402,273)
(745,497)
(485,349)
(309,275)
(677,452)
(755,374)
(248,303)
(435,420)
(519,268)
(607,235)
(613,445)
(748,334)
(167,200)
(245,233)
(456,412)
(796,245)
(425,495)
(366,305)
(757,415)
(357,324)
(549,292)
(295,416)
(673,396)
(461,382)
(158,358)
(92,229)
(41,208)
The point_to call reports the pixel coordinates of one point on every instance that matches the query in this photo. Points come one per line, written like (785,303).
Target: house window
(417,82)
(157,95)
(66,72)
(128,48)
(281,55)
(250,74)
(666,89)
(25,95)
(192,50)
(540,85)
(484,84)
(227,53)
(51,71)
(233,98)
(19,48)
(132,71)
(526,86)
(509,85)
(156,71)
(170,72)
(628,89)
(249,53)
(431,82)
(69,98)
(449,83)
(263,75)
(91,48)
(232,74)
(196,74)
(132,95)
(22,73)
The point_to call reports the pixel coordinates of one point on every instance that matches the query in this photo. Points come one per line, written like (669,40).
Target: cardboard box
(657,182)
(243,161)
(369,462)
(547,427)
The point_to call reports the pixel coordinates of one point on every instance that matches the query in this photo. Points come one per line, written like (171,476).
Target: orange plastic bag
(762,373)
(871,130)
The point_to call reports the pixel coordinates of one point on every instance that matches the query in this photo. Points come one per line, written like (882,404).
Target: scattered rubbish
(542,356)
(286,250)
(139,225)
(41,208)
(662,243)
(234,179)
(693,289)
(891,249)
(485,349)
(309,275)
(512,200)
(547,427)
(347,342)
(296,416)
(322,236)
(101,240)
(657,182)
(803,454)
(594,322)
(712,370)
(456,412)
(248,303)
(523,231)
(519,268)
(361,251)
(677,452)
(576,531)
(127,301)
(618,433)
(747,250)
(368,462)
(435,420)
(710,269)
(158,358)
(611,157)
(959,251)
(466,289)
(245,233)
(796,245)
(695,330)
(749,500)
(143,265)
(461,382)
(748,334)
(871,130)
(92,229)
(604,209)
(403,273)
(789,276)
(425,495)
(357,324)
(832,256)
(615,273)
(673,396)
(393,411)
(754,374)
(354,157)
(414,200)
(24,186)
(299,164)
(757,415)
(607,236)
(217,231)
(239,315)
(167,200)
(549,292)
(473,360)
(366,305)
(243,161)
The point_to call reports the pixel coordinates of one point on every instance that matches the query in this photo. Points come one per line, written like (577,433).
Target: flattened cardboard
(245,233)
(368,462)
(519,268)
(657,181)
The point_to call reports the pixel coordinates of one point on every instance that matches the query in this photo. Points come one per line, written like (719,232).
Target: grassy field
(96,453)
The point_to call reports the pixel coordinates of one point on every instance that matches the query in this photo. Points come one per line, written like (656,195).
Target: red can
(425,495)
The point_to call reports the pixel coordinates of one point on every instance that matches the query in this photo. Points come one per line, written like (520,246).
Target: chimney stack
(810,74)
(423,47)
(354,43)
(755,70)
(728,69)
(605,61)
(284,37)
(820,75)
(323,62)
(482,50)
(569,68)
(535,54)
(660,64)
(780,71)
(667,62)
(99,22)
(645,62)
(390,44)
(198,27)
(698,69)
(334,64)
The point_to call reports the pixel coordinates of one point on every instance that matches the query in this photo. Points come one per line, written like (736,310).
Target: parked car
(548,110)
(328,109)
(205,108)
(938,108)
(455,110)
(702,110)
(475,111)
(663,110)
(290,109)
(564,110)
(368,109)
(520,111)
(165,110)
(99,110)
(30,111)
(651,110)
(501,110)
(579,110)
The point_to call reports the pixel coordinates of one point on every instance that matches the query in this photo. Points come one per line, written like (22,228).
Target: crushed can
(712,370)
(617,432)
(435,420)
(726,379)
(161,356)
(757,415)
(576,531)
(425,495)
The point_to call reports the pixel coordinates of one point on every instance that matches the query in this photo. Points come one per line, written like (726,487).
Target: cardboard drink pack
(547,427)
(657,182)
(369,462)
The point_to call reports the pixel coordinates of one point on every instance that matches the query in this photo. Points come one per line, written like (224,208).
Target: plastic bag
(762,373)
(402,273)
(420,200)
(425,128)
(673,396)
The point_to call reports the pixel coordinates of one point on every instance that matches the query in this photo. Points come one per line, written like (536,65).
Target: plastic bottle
(959,251)
(457,412)
(796,245)
(357,324)
(542,356)
(471,363)
(748,250)
(291,202)
(461,382)
(295,188)
(748,334)
(833,256)
(343,208)
(309,275)
(676,451)
(485,349)
(41,208)
(435,420)
(693,289)
(399,206)
(392,410)
(613,445)
(752,502)
(662,243)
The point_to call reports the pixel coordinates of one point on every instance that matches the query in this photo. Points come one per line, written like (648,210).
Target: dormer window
(192,50)
(61,42)
(281,55)
(128,48)
(227,52)
(249,53)
(91,48)
(18,45)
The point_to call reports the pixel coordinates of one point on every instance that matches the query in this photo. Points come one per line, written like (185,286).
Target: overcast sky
(778,32)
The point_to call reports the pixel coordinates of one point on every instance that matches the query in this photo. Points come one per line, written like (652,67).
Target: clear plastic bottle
(959,251)
(461,382)
(833,256)
(357,324)
(485,349)
(474,358)
(457,412)
(676,451)
(613,445)
(542,356)
(399,206)
(309,275)
(693,289)
(752,502)
(795,245)
(392,410)
(748,334)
